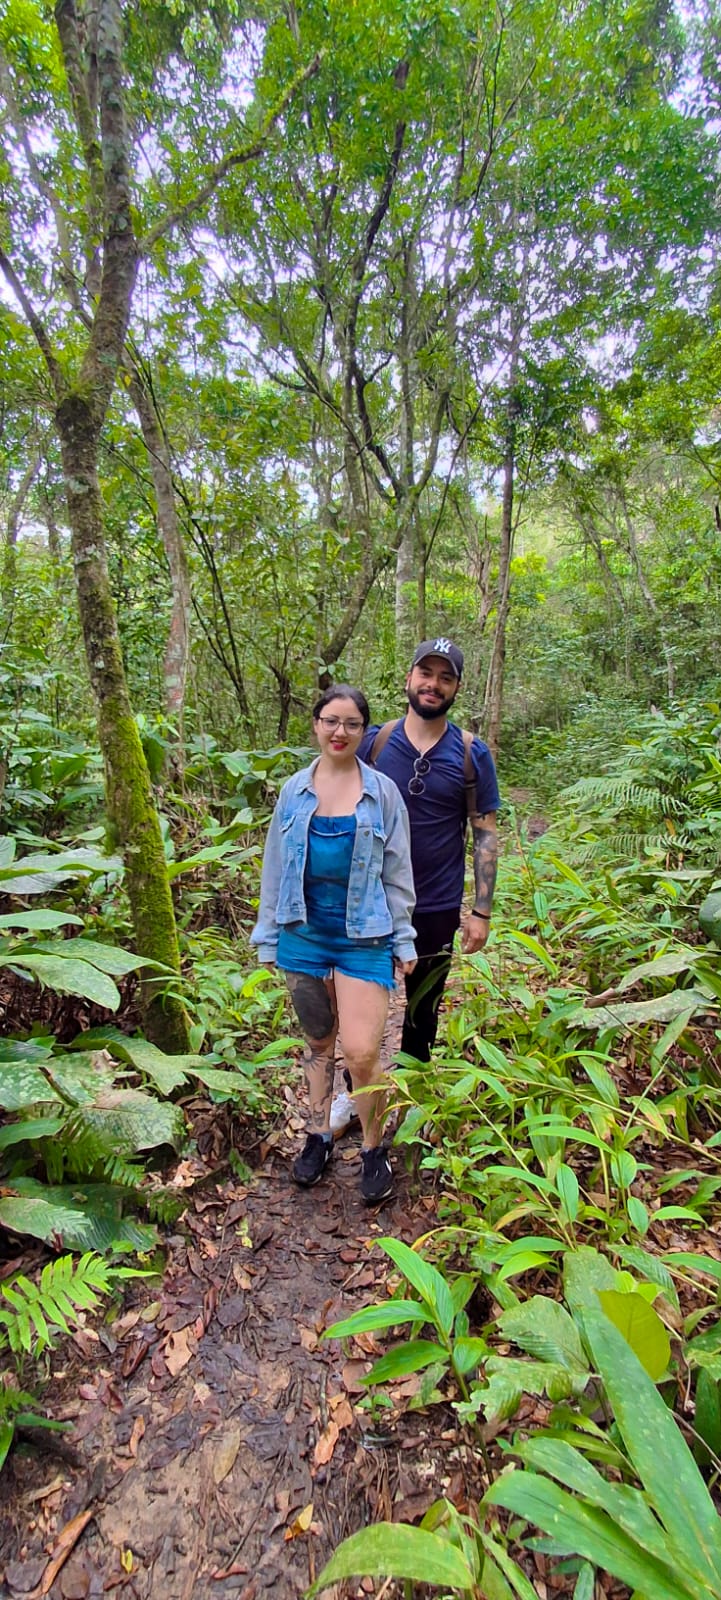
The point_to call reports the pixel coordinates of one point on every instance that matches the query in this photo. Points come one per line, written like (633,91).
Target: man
(445,780)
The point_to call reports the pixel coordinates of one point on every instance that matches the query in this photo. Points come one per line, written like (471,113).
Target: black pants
(435,931)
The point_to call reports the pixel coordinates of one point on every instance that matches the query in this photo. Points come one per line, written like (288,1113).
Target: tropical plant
(32,1314)
(662,1539)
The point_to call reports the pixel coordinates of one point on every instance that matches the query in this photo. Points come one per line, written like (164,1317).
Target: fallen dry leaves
(65,1542)
(301,1523)
(224,1459)
(179,1348)
(326,1444)
(136,1435)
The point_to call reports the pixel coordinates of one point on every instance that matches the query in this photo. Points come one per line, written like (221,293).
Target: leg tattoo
(312,1004)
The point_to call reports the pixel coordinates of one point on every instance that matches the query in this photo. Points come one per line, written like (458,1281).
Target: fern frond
(623,790)
(119,1171)
(164,1205)
(35,1311)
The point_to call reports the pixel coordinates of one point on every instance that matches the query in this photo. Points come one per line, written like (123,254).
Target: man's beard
(430,712)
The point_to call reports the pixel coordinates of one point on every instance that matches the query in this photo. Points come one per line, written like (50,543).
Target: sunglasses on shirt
(421,767)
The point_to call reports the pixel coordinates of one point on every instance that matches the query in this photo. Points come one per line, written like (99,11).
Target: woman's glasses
(351,724)
(421,766)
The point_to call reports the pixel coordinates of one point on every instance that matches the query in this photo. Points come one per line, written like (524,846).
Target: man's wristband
(484,914)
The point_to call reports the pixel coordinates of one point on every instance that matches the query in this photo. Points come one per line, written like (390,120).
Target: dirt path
(218,1446)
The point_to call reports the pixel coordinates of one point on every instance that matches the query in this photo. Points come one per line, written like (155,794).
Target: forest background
(325,328)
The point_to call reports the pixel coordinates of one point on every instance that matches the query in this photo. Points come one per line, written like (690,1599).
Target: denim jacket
(381,896)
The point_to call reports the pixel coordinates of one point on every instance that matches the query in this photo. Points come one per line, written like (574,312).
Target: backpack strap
(381,739)
(469,776)
(469,771)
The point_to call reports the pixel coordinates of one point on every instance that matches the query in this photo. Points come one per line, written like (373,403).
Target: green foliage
(17,1410)
(709,917)
(31,1317)
(663,1540)
(30,1313)
(658,798)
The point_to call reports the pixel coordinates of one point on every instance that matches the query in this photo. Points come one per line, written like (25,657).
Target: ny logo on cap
(443,646)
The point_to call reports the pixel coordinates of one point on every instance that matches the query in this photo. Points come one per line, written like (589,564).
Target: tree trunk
(10,554)
(493,709)
(649,598)
(175,664)
(129,794)
(406,591)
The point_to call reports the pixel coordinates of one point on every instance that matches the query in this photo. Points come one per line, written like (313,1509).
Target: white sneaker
(342,1114)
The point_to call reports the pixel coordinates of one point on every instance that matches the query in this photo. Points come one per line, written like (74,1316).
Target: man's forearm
(485,867)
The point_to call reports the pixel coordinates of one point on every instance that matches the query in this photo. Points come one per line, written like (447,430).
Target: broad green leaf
(694,1263)
(430,1284)
(7,850)
(663,967)
(461,1290)
(69,977)
(521,1175)
(106,957)
(584,1272)
(388,1314)
(517,1580)
(585,1586)
(544,1328)
(641,1327)
(469,1353)
(624,1505)
(588,1532)
(96,1209)
(35,1128)
(23,1085)
(521,1261)
(567,1186)
(624,1168)
(223,1081)
(657,1449)
(634,1013)
(404,1359)
(7,1431)
(44,1219)
(396,1550)
(40,920)
(601,1079)
(526,940)
(680,1213)
(29,883)
(167,1072)
(508,1378)
(123,1122)
(637,1214)
(707,1418)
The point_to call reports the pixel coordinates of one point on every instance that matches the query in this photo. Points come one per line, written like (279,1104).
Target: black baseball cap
(440,647)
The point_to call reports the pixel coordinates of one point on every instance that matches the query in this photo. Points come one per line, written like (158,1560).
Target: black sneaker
(377,1175)
(309,1166)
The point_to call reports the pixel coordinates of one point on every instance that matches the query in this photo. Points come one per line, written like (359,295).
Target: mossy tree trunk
(128,789)
(89,198)
(93,66)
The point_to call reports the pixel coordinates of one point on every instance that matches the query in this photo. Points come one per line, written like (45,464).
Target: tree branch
(237,158)
(38,328)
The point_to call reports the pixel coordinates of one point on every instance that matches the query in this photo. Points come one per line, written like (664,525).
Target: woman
(336,900)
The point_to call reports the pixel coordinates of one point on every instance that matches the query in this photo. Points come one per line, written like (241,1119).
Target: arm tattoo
(485,866)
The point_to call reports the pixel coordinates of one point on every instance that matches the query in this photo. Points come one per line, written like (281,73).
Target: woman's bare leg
(314,1002)
(362,1012)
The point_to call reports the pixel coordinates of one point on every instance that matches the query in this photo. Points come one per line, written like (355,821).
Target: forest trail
(217,1448)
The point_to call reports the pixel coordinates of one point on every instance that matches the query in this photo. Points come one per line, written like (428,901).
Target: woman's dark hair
(343,691)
